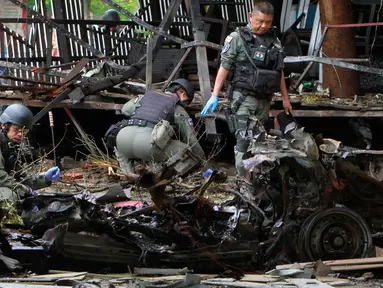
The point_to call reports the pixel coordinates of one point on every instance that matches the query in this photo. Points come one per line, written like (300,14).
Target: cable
(376,27)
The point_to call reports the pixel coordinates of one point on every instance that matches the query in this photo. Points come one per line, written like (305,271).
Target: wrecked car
(303,199)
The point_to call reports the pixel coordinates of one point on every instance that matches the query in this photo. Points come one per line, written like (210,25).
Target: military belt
(247,92)
(140,122)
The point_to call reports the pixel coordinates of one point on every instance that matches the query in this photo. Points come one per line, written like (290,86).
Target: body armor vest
(156,106)
(9,152)
(261,71)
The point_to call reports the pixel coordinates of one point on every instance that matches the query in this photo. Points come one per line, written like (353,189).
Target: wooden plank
(202,64)
(237,284)
(330,113)
(343,262)
(159,271)
(82,105)
(149,63)
(260,278)
(14,285)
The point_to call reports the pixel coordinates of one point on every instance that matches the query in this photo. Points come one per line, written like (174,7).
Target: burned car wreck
(303,199)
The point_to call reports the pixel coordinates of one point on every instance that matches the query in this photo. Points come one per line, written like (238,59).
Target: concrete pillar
(339,43)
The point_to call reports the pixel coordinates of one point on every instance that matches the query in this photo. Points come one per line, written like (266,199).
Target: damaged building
(312,192)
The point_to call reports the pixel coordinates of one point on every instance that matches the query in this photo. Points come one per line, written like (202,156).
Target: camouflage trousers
(133,143)
(251,106)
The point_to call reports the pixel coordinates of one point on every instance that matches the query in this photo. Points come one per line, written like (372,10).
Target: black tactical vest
(156,106)
(9,152)
(266,55)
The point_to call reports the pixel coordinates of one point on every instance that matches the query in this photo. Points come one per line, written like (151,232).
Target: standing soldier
(15,184)
(148,134)
(252,57)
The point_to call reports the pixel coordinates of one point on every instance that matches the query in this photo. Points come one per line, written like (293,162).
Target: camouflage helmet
(111,15)
(17,114)
(186,85)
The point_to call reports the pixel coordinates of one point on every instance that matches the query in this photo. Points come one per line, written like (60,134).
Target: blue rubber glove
(31,193)
(211,105)
(52,174)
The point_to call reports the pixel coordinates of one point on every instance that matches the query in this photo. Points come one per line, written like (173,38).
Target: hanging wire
(376,27)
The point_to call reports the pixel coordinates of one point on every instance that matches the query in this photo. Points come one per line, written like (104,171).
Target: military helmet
(186,85)
(17,114)
(111,15)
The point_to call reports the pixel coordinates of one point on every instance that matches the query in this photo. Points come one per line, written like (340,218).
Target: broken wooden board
(164,278)
(236,284)
(301,283)
(260,278)
(14,285)
(160,271)
(342,265)
(47,277)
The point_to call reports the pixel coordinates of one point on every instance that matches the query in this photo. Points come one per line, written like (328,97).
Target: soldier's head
(16,120)
(261,17)
(183,89)
(111,15)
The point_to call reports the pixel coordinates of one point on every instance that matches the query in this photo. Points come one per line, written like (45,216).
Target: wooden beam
(331,113)
(63,41)
(202,64)
(82,105)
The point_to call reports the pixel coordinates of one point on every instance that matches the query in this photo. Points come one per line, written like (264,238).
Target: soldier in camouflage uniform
(252,59)
(15,184)
(148,134)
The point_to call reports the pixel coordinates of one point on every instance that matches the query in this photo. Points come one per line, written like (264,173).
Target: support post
(149,63)
(202,64)
(339,43)
(58,8)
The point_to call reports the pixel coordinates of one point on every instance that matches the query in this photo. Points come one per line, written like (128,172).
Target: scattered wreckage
(302,200)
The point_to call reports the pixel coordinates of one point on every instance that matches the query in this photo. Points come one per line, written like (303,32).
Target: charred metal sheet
(153,28)
(29,81)
(342,64)
(22,88)
(59,29)
(23,67)
(294,59)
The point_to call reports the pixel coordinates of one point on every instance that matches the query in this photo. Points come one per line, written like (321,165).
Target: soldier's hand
(52,174)
(287,106)
(211,105)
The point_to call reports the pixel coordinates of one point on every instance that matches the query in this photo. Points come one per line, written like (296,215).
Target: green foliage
(97,7)
(8,214)
(144,32)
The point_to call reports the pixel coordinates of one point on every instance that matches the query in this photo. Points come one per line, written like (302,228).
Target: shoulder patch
(190,121)
(225,48)
(228,39)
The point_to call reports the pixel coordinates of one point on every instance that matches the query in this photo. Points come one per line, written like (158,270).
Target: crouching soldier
(148,134)
(15,184)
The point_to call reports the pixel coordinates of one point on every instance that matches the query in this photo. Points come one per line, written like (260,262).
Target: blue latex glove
(52,174)
(211,105)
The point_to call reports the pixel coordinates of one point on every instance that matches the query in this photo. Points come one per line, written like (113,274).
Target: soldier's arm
(10,182)
(185,126)
(229,55)
(36,181)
